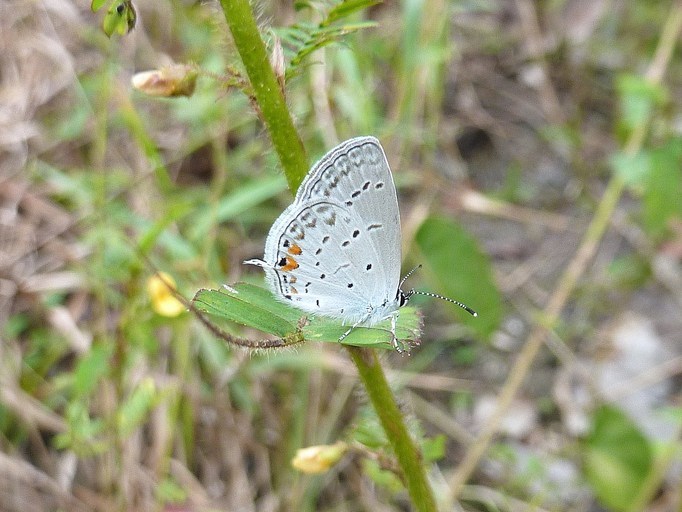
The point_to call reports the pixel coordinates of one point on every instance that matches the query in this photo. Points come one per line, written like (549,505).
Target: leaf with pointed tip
(121,17)
(460,270)
(256,307)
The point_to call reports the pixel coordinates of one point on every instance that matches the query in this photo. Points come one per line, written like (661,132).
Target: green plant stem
(267,91)
(391,418)
(289,148)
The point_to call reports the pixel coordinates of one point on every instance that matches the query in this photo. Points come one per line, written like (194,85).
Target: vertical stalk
(408,455)
(289,148)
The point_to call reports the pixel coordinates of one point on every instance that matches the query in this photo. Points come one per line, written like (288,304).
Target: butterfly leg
(345,334)
(350,329)
(394,321)
(359,322)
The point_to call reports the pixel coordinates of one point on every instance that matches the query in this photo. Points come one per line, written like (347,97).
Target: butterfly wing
(336,250)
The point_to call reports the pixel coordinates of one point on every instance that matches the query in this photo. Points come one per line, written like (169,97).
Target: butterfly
(335,251)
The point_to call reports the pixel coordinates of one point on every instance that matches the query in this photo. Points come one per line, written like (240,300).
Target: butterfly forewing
(336,249)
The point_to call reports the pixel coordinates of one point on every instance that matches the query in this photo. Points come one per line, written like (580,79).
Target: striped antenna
(406,296)
(458,303)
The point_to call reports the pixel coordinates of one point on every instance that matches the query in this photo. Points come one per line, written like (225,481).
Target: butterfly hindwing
(336,249)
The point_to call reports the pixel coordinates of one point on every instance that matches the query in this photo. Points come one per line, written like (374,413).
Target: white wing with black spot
(335,250)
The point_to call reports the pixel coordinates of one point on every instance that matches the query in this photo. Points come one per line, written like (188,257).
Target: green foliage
(661,201)
(635,169)
(628,272)
(94,366)
(256,307)
(169,491)
(191,186)
(638,100)
(96,5)
(653,172)
(84,435)
(617,458)
(460,271)
(368,432)
(121,17)
(466,355)
(14,326)
(301,39)
(382,477)
(433,449)
(238,202)
(134,410)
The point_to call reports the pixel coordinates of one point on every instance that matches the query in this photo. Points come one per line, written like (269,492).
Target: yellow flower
(160,288)
(318,459)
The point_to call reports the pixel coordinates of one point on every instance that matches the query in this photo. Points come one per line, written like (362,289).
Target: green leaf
(367,430)
(91,368)
(96,5)
(170,492)
(628,271)
(14,326)
(251,306)
(617,458)
(134,411)
(347,8)
(663,188)
(120,18)
(256,307)
(381,477)
(302,39)
(458,269)
(634,169)
(83,434)
(318,38)
(433,449)
(638,98)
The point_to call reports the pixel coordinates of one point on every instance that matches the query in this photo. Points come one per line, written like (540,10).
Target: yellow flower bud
(163,301)
(169,81)
(318,459)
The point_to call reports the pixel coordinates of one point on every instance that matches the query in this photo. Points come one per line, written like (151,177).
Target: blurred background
(511,128)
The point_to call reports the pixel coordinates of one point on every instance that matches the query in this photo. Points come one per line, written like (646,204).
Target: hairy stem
(391,418)
(270,101)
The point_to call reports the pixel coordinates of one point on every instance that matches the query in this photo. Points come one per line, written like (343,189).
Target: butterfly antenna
(408,275)
(435,295)
(456,302)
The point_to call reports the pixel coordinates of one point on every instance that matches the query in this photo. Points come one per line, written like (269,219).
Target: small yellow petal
(163,301)
(318,459)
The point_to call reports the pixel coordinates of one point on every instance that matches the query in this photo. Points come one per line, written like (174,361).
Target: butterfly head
(403,297)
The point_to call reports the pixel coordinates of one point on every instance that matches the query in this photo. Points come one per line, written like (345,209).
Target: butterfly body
(335,251)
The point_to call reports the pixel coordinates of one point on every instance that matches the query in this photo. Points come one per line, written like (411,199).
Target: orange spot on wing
(289,265)
(295,249)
